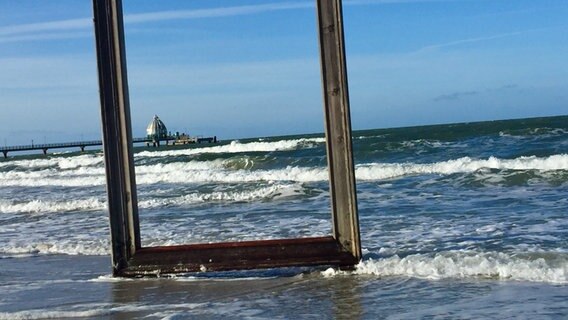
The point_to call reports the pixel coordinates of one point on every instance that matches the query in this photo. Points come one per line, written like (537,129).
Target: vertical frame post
(117,133)
(343,196)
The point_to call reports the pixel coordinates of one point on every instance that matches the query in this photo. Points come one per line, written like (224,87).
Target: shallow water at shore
(62,286)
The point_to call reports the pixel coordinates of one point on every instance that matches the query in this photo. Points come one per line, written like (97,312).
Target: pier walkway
(80,144)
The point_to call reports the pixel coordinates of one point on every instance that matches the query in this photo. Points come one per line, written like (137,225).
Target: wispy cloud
(46,36)
(214,12)
(40,31)
(71,24)
(60,29)
(469,40)
(454,43)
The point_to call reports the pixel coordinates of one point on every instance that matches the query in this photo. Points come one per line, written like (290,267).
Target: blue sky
(250,68)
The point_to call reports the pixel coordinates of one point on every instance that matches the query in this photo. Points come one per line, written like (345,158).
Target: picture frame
(130,259)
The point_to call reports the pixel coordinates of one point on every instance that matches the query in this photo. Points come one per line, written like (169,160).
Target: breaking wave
(463,264)
(237,147)
(56,163)
(92,246)
(36,206)
(378,171)
(41,206)
(217,171)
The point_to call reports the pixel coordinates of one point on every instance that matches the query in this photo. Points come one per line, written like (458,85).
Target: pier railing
(78,144)
(51,145)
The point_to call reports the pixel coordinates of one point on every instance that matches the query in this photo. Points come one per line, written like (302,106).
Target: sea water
(457,221)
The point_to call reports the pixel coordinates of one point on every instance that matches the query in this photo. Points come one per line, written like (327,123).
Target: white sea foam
(36,206)
(175,173)
(369,137)
(94,310)
(110,278)
(298,174)
(236,147)
(168,173)
(94,203)
(378,171)
(95,247)
(52,177)
(215,172)
(425,143)
(50,314)
(93,160)
(85,160)
(273,191)
(464,264)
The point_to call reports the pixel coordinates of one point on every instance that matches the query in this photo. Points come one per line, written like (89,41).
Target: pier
(83,144)
(46,146)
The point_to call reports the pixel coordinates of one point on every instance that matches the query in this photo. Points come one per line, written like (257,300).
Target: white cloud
(71,24)
(46,36)
(469,40)
(481,39)
(214,12)
(44,30)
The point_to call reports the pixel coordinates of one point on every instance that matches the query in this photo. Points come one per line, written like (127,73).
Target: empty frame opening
(249,76)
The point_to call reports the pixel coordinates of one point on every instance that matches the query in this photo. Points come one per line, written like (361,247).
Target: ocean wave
(464,264)
(270,192)
(529,132)
(97,160)
(220,171)
(238,147)
(36,206)
(63,163)
(379,171)
(363,137)
(92,247)
(276,191)
(296,174)
(168,173)
(412,144)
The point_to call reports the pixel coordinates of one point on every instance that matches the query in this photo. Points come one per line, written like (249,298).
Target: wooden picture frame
(129,258)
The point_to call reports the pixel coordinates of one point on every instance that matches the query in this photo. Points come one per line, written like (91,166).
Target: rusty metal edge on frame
(129,258)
